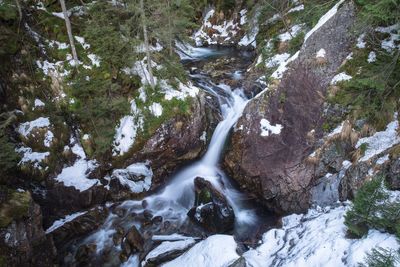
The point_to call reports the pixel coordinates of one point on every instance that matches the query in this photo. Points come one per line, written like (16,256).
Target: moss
(15,207)
(363,147)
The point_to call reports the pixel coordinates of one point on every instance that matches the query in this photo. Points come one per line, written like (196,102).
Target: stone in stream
(211,210)
(133,242)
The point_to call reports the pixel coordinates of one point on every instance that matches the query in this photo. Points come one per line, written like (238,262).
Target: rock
(84,253)
(22,239)
(211,209)
(177,141)
(167,251)
(271,164)
(133,242)
(393,176)
(80,226)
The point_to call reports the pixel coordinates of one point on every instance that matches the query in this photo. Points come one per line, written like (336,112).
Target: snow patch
(26,128)
(371,57)
(156,109)
(137,177)
(360,41)
(58,223)
(293,32)
(167,246)
(268,129)
(340,78)
(321,53)
(38,103)
(33,158)
(277,60)
(380,141)
(216,250)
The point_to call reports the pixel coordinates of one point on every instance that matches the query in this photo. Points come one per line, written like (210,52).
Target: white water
(177,198)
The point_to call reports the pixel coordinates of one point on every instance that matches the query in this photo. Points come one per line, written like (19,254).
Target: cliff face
(272,140)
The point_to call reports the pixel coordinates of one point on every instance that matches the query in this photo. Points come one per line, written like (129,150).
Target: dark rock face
(24,243)
(273,167)
(211,210)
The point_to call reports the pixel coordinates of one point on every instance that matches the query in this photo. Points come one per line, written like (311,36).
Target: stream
(172,203)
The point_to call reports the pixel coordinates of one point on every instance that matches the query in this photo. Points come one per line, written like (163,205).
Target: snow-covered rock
(340,78)
(215,251)
(268,129)
(137,177)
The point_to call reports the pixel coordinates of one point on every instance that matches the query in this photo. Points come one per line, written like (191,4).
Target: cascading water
(174,201)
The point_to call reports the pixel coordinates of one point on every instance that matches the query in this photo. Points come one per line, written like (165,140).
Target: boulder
(22,239)
(268,150)
(132,242)
(211,210)
(79,226)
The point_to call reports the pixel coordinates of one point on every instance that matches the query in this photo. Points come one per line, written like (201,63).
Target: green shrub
(381,257)
(372,210)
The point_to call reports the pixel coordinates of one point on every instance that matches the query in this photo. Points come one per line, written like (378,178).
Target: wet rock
(84,254)
(271,164)
(22,239)
(133,242)
(211,209)
(167,251)
(80,226)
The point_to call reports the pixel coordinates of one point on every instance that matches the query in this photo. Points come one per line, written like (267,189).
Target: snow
(360,41)
(380,141)
(215,251)
(142,94)
(340,78)
(156,109)
(371,57)
(336,131)
(82,42)
(38,103)
(250,37)
(51,69)
(142,48)
(77,174)
(203,137)
(321,53)
(277,60)
(317,238)
(243,17)
(184,90)
(26,128)
(389,43)
(283,66)
(167,246)
(296,9)
(129,177)
(268,129)
(127,130)
(48,138)
(171,237)
(383,159)
(94,59)
(324,19)
(31,157)
(294,31)
(58,223)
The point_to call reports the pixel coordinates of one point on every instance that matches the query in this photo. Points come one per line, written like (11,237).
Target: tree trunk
(146,44)
(19,10)
(69,30)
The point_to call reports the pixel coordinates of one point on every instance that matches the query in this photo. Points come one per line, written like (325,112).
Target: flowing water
(174,201)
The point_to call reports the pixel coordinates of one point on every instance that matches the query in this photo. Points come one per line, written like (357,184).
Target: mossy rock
(15,207)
